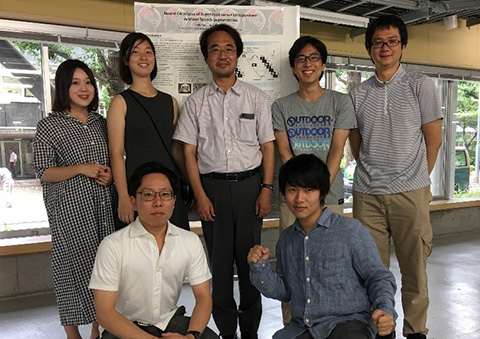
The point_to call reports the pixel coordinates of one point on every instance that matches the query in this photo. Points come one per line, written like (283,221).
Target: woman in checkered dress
(71,160)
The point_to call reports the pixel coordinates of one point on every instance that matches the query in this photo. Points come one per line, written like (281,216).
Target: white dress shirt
(149,283)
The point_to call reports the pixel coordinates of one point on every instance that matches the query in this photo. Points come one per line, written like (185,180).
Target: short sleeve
(107,268)
(428,100)
(277,117)
(44,154)
(345,115)
(186,130)
(264,123)
(198,271)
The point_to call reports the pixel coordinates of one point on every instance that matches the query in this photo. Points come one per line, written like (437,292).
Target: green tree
(102,62)
(467,116)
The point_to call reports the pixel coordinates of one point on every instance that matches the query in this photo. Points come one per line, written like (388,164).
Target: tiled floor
(454,276)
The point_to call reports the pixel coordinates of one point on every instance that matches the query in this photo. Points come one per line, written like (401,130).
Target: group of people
(331,271)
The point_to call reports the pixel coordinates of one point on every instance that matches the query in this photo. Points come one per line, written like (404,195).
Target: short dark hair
(305,170)
(301,43)
(135,180)
(126,48)
(220,27)
(63,81)
(386,21)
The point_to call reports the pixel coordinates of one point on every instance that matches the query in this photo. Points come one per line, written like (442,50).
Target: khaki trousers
(286,219)
(404,217)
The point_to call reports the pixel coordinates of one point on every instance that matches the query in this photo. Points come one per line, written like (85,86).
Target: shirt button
(307,320)
(308,279)
(262,282)
(307,258)
(308,301)
(306,237)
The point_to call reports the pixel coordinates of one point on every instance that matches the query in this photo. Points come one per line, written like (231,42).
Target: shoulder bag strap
(158,131)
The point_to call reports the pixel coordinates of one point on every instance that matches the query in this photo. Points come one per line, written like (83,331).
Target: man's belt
(237,176)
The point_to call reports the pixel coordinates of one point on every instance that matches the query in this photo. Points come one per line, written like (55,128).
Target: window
(343,73)
(24,75)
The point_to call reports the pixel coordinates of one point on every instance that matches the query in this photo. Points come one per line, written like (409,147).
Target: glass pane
(466,140)
(22,106)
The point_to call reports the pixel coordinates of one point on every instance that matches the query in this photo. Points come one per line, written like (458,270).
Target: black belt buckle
(231,177)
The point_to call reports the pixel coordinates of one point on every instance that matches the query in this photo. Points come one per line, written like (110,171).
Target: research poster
(267,33)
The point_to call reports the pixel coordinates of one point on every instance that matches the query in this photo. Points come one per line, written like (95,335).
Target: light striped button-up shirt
(227,128)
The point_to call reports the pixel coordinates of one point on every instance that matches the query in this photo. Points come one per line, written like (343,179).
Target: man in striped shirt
(396,144)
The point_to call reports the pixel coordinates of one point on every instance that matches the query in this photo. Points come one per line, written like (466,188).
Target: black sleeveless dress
(143,144)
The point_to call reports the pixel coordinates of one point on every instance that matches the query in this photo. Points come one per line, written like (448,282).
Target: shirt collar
(325,220)
(91,116)
(400,70)
(137,229)
(236,88)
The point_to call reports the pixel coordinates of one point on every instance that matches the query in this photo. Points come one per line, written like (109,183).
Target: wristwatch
(269,186)
(195,334)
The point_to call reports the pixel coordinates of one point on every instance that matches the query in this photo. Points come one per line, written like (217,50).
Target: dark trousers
(13,170)
(229,237)
(178,324)
(346,330)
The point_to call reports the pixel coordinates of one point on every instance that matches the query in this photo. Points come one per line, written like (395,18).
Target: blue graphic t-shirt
(310,125)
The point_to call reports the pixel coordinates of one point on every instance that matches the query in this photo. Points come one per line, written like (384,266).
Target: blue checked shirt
(331,275)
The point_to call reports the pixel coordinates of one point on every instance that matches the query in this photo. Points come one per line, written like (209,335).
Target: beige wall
(428,44)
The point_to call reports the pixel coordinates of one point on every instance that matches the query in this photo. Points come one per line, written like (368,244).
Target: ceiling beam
(462,4)
(379,9)
(417,15)
(472,22)
(357,32)
(318,3)
(405,4)
(320,15)
(355,4)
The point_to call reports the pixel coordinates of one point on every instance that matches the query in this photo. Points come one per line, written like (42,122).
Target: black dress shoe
(416,336)
(388,336)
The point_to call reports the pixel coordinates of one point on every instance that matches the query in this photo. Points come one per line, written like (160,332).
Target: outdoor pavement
(27,211)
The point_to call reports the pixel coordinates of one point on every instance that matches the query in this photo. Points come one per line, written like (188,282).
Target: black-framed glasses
(151,195)
(312,57)
(229,51)
(389,43)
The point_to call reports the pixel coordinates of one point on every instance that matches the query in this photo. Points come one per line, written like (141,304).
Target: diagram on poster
(260,61)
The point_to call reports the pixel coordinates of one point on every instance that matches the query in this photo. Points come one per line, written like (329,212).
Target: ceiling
(413,12)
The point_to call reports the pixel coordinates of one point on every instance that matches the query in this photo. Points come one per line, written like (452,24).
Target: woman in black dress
(135,119)
(70,156)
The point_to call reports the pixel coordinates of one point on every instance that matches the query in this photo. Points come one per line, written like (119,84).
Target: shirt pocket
(246,128)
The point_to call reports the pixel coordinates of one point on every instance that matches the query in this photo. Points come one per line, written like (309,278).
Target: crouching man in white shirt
(139,270)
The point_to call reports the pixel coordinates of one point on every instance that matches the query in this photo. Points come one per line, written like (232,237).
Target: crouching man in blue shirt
(328,265)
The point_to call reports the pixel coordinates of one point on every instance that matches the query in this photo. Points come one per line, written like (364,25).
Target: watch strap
(195,334)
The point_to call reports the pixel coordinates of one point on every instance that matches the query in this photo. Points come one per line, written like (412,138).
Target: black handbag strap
(158,131)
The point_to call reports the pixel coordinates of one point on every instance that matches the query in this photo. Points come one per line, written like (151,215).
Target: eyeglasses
(229,51)
(389,43)
(150,195)
(312,57)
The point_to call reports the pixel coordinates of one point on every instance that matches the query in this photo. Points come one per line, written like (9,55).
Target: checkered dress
(79,210)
